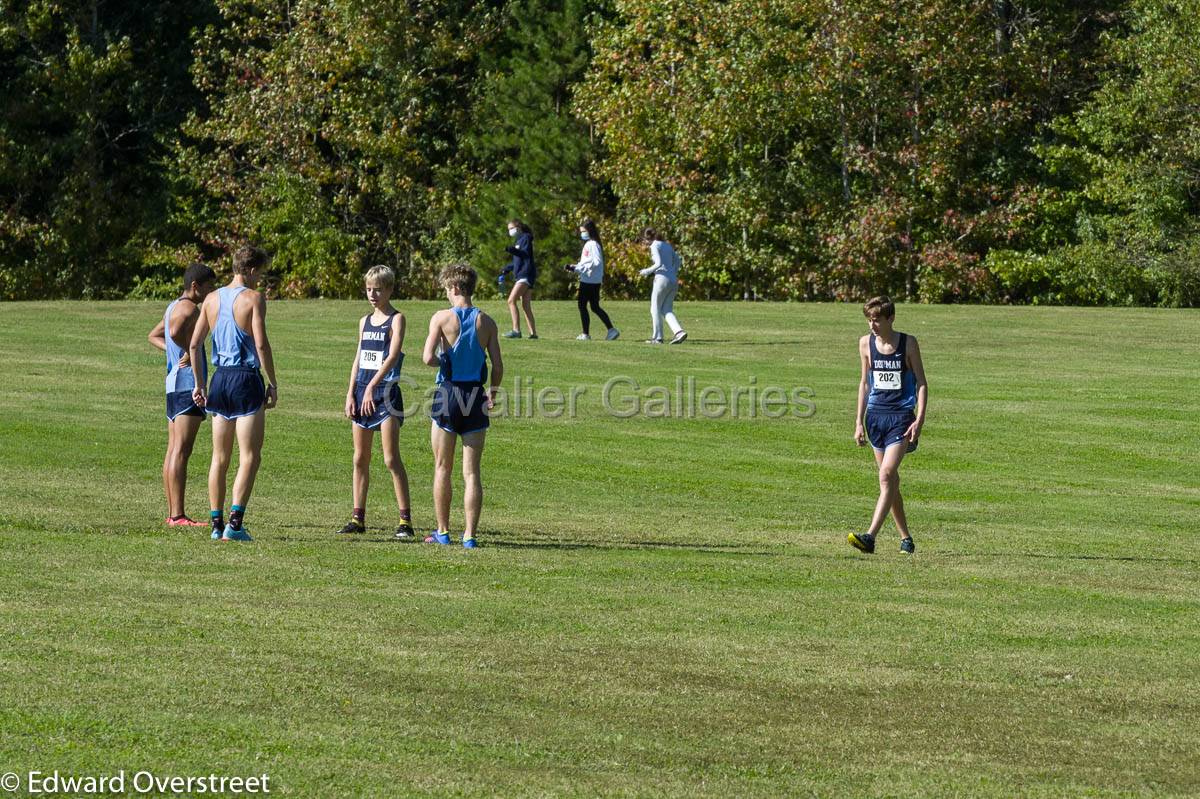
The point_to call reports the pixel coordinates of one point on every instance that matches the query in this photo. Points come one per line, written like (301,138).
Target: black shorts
(885,429)
(179,403)
(460,408)
(236,391)
(388,405)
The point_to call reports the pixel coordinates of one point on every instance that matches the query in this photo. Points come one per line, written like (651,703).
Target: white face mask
(584,236)
(512,231)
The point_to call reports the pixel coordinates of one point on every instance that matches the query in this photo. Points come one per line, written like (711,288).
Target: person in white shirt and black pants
(665,268)
(591,274)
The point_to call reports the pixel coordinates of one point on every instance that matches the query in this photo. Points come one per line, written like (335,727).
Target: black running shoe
(405,531)
(863,542)
(352,527)
(907,545)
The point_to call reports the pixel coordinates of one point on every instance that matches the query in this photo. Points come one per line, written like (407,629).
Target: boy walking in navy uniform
(460,342)
(892,395)
(373,400)
(237,398)
(172,335)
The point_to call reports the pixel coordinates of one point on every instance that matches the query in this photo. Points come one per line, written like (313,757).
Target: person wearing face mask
(591,274)
(665,268)
(524,271)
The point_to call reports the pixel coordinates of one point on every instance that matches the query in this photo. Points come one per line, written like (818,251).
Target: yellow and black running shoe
(863,542)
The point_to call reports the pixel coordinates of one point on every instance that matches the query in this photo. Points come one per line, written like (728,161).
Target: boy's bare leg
(443,464)
(390,436)
(223,434)
(889,482)
(473,492)
(250,440)
(898,515)
(168,473)
(183,439)
(363,439)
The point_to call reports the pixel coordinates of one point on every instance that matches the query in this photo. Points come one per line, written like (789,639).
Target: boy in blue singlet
(172,335)
(237,397)
(892,394)
(461,340)
(373,400)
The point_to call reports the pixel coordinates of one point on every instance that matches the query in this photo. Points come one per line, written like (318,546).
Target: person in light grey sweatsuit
(665,268)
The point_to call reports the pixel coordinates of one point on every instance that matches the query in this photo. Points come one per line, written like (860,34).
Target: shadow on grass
(1050,556)
(497,540)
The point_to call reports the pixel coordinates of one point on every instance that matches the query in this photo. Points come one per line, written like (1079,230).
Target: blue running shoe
(236,535)
(907,545)
(469,543)
(438,538)
(216,534)
(863,542)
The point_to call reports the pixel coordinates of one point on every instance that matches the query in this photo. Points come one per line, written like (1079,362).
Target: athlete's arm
(864,359)
(196,345)
(158,336)
(258,329)
(493,350)
(430,354)
(918,370)
(354,372)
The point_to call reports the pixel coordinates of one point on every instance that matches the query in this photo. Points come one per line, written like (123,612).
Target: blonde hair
(381,276)
(459,276)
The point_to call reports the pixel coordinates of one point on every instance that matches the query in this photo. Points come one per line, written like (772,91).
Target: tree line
(936,150)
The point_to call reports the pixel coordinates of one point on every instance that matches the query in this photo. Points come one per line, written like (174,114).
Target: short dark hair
(459,276)
(248,258)
(519,225)
(650,235)
(198,273)
(881,305)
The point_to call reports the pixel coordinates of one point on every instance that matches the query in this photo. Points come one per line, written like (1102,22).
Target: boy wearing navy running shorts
(373,400)
(460,342)
(892,395)
(172,335)
(238,397)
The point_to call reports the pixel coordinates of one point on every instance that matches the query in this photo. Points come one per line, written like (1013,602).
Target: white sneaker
(680,337)
(653,341)
(583,337)
(613,334)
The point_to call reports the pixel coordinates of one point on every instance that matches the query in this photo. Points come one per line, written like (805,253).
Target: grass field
(660,606)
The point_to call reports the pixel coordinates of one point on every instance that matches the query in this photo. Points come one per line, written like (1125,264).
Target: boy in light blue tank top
(172,335)
(373,400)
(460,342)
(892,394)
(237,396)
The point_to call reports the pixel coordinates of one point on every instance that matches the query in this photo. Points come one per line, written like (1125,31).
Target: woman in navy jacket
(524,272)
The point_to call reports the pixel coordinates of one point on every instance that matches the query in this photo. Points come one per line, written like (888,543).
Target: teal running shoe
(236,535)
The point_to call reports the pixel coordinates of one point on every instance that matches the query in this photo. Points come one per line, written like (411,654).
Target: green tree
(326,126)
(89,97)
(832,148)
(525,153)
(1119,222)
